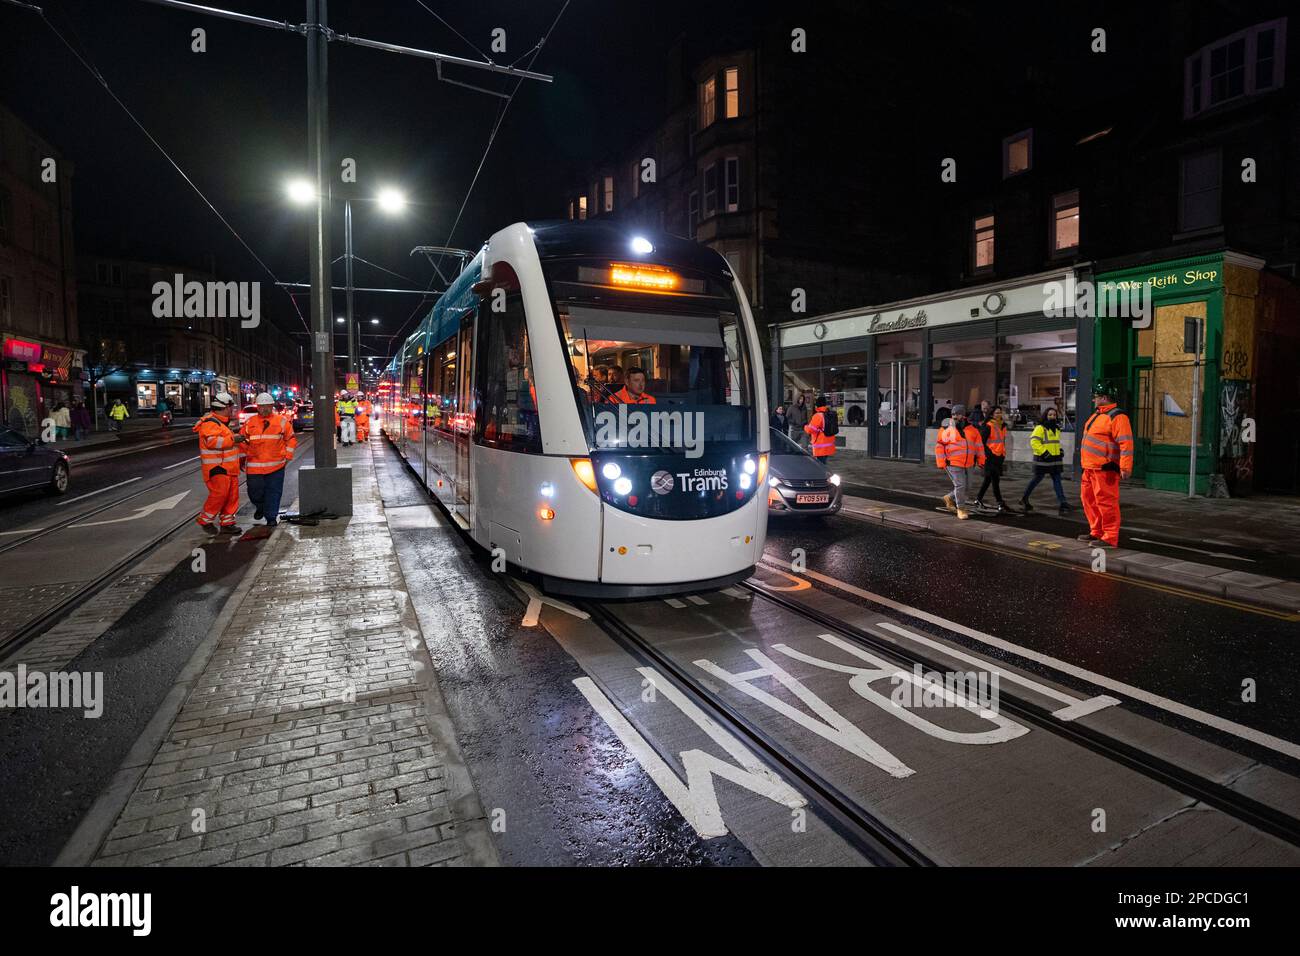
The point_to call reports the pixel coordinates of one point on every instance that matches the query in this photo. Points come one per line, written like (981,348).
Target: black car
(798,483)
(304,417)
(26,464)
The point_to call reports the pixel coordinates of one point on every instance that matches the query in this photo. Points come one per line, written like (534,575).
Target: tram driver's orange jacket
(624,397)
(1107,442)
(217,449)
(960,448)
(270,444)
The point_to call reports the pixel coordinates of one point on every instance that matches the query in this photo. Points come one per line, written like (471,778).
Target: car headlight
(835,480)
(773,481)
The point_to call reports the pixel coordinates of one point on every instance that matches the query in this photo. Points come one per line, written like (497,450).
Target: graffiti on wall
(1236,461)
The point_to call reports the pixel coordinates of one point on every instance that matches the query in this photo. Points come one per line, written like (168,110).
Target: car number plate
(819,499)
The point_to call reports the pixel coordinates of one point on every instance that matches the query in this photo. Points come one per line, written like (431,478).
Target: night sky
(235,117)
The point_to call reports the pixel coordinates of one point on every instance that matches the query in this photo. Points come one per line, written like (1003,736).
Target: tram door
(463,423)
(896,425)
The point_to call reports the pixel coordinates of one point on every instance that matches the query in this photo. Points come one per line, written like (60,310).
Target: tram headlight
(746,481)
(586,473)
(610,470)
(622,486)
(749,466)
(547,490)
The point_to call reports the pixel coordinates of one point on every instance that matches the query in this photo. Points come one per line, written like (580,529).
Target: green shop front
(1183,339)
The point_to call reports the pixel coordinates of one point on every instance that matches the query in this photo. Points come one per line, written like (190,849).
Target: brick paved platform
(314,733)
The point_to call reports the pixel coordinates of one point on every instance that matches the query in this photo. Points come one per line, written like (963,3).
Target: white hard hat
(223,400)
(264,398)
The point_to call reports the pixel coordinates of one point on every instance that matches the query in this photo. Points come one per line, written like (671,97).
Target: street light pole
(347,257)
(324,488)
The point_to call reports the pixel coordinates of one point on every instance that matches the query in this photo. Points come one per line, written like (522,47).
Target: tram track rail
(1247,810)
(870,835)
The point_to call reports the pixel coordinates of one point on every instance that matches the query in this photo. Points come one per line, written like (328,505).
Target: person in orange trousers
(219,463)
(362,419)
(1106,455)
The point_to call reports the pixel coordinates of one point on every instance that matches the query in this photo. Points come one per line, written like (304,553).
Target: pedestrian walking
(980,414)
(822,429)
(994,435)
(117,414)
(271,444)
(81,423)
(62,417)
(1106,454)
(779,420)
(797,416)
(219,464)
(958,448)
(1046,445)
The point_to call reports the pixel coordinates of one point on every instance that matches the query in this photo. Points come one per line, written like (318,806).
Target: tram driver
(634,393)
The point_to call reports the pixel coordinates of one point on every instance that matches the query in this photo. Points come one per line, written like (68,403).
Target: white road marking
(91,494)
(167,504)
(1258,737)
(696,599)
(736,593)
(179,463)
(673,602)
(696,799)
(20,531)
(533,612)
(1183,547)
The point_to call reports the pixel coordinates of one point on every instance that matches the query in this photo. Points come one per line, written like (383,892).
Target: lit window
(984,243)
(1065,221)
(733,93)
(731,174)
(708,102)
(1247,62)
(1017,153)
(582,207)
(710,190)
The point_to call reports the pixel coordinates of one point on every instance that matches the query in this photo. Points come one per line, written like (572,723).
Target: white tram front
(590,401)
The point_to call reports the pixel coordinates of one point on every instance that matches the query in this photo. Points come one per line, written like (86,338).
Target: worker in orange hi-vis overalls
(362,419)
(1106,455)
(219,462)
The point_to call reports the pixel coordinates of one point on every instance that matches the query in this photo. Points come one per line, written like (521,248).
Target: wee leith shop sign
(1190,280)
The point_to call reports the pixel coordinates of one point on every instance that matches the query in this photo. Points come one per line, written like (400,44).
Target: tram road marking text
(167,504)
(533,612)
(1233,728)
(91,494)
(179,463)
(695,798)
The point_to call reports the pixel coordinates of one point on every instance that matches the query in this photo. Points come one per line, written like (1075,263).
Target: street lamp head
(374,321)
(300,191)
(340,320)
(391,201)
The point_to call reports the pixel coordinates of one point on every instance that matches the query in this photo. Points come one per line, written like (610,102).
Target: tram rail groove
(875,839)
(1243,808)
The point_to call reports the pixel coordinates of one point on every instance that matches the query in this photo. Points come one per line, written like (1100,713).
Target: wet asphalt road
(56,761)
(133,459)
(1196,651)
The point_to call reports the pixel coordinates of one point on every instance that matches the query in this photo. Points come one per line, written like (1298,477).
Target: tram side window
(507,405)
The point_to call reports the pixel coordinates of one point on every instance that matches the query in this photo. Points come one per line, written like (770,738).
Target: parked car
(26,464)
(304,417)
(246,413)
(798,483)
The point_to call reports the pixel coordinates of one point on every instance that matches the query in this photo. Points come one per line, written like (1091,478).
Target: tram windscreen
(693,367)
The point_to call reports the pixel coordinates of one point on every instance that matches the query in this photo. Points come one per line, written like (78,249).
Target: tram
(588,402)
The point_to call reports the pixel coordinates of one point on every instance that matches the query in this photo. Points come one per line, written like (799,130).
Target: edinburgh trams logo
(661,482)
(637,428)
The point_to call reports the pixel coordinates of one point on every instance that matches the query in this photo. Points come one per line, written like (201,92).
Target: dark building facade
(39,336)
(143,358)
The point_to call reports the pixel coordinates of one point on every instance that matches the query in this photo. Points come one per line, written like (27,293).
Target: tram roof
(562,239)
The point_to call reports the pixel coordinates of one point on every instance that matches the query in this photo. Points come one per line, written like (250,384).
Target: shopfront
(894,372)
(1208,314)
(35,378)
